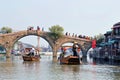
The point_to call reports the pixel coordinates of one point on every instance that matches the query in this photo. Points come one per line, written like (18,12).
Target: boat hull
(70,60)
(31,58)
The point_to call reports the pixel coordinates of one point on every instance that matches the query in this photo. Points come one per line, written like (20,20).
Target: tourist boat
(70,60)
(31,58)
(71,54)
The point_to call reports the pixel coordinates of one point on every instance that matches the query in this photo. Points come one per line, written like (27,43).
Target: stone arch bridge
(8,40)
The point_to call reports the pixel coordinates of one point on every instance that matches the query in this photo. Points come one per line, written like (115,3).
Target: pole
(38,44)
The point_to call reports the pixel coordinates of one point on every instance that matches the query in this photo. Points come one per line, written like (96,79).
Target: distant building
(21,47)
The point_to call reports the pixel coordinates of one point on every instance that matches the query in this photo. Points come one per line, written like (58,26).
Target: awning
(112,41)
(103,44)
(108,43)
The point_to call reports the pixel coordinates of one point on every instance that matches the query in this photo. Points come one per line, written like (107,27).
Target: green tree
(56,31)
(6,30)
(99,38)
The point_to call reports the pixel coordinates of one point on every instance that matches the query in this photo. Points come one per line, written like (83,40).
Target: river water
(45,69)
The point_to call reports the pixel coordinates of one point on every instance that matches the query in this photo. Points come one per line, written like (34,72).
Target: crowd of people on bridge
(78,36)
(67,34)
(38,28)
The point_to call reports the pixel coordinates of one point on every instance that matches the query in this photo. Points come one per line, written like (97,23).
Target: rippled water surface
(16,69)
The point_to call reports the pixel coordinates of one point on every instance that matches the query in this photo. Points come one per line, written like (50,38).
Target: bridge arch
(45,38)
(43,35)
(84,44)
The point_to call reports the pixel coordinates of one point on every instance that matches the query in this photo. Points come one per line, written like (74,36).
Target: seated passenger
(32,52)
(63,53)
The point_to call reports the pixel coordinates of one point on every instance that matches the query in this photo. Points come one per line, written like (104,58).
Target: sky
(85,17)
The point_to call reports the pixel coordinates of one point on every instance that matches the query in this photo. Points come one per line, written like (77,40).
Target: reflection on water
(46,69)
(98,61)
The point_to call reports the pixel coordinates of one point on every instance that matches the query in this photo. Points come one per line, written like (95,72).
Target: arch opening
(26,42)
(2,50)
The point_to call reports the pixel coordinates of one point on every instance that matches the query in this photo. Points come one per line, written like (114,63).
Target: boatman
(75,46)
(79,53)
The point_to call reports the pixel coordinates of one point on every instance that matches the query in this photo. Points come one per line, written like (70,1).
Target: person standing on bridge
(66,33)
(38,28)
(42,28)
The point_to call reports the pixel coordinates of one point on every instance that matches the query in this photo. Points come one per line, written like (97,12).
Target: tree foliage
(6,30)
(56,31)
(99,38)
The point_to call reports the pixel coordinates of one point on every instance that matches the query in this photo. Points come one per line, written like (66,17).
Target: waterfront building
(110,48)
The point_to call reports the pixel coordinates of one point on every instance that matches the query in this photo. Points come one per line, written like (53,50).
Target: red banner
(93,43)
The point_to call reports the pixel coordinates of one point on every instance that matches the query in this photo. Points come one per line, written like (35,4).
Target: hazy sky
(86,17)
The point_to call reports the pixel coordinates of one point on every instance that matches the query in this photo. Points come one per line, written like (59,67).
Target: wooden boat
(31,58)
(70,60)
(71,55)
